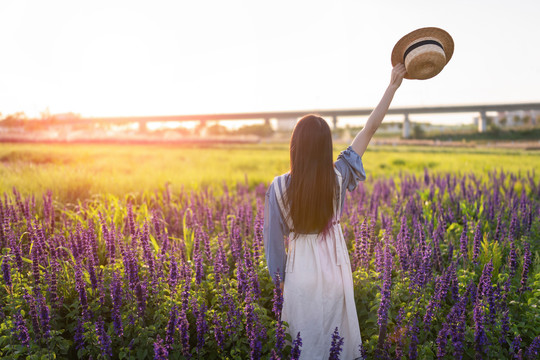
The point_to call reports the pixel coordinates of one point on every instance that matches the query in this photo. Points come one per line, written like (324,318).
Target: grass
(76,171)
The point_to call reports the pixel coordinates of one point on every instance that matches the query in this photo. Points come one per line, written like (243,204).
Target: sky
(128,58)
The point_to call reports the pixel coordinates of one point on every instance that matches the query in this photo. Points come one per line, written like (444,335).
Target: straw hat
(424,52)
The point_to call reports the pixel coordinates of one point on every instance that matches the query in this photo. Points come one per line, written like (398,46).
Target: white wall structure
(406,127)
(482,122)
(534,117)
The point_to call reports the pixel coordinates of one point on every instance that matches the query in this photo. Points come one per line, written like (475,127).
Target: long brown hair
(312,188)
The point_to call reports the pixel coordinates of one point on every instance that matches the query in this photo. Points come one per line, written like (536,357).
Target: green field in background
(75,171)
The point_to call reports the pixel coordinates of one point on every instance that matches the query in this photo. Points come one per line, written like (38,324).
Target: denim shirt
(349,164)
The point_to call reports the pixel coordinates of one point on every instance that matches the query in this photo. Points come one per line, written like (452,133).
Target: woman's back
(318,289)
(318,295)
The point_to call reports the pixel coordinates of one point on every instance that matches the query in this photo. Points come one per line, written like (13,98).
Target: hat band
(420,43)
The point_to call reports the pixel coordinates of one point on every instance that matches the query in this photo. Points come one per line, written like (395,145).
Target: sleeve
(350,166)
(274,231)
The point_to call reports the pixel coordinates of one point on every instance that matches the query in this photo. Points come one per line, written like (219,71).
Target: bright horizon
(129,58)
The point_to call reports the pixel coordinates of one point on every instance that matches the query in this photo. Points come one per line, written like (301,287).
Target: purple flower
(504,327)
(221,266)
(398,334)
(35,261)
(173,274)
(497,235)
(109,239)
(277,300)
(455,325)
(160,351)
(130,219)
(242,278)
(280,336)
(200,317)
(514,226)
(442,340)
(198,256)
(277,307)
(485,290)
(379,258)
(252,321)
(274,355)
(382,312)
(258,233)
(44,316)
(363,351)
(116,295)
(512,259)
(458,335)
(364,248)
(296,345)
(91,256)
(79,335)
(516,345)
(171,326)
(437,237)
(184,333)
(477,240)
(21,330)
(6,271)
(464,239)
(15,248)
(148,254)
(480,337)
(218,331)
(33,313)
(534,349)
(450,251)
(526,266)
(53,287)
(336,346)
(403,238)
(81,289)
(413,330)
(104,338)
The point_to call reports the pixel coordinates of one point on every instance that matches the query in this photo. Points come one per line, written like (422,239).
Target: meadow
(156,252)
(79,171)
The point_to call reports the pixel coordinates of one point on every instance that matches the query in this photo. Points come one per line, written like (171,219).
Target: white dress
(318,294)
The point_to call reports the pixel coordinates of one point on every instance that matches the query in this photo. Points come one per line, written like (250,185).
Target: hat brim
(440,35)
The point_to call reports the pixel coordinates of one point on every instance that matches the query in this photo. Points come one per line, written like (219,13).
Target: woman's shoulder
(279,180)
(348,155)
(283,177)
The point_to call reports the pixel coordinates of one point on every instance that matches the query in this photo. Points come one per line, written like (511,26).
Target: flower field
(445,265)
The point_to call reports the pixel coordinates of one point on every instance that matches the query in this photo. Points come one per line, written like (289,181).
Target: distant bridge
(481,109)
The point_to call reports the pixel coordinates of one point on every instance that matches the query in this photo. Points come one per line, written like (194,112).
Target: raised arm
(363,138)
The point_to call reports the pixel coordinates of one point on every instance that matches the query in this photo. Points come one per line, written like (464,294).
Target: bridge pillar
(406,127)
(482,122)
(142,126)
(334,122)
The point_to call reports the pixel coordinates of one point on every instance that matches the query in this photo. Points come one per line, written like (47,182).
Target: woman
(305,205)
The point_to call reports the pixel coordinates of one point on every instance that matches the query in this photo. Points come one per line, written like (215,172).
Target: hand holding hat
(424,52)
(398,72)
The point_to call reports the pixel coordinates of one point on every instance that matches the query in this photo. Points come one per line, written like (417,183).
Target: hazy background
(113,58)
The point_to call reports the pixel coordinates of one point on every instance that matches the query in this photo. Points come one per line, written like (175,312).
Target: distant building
(513,118)
(390,127)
